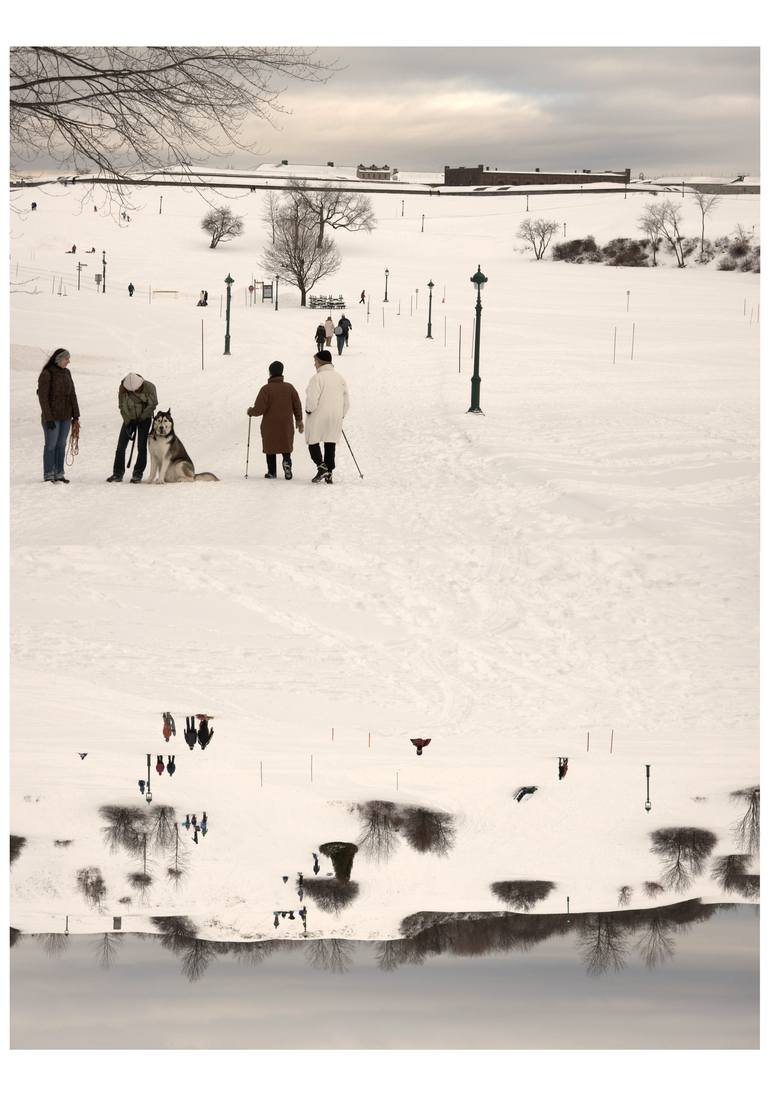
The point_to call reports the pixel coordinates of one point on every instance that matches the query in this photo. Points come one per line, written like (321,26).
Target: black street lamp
(648,803)
(104,272)
(430,305)
(422,227)
(478,281)
(148,795)
(228,282)
(80,267)
(387,272)
(276,293)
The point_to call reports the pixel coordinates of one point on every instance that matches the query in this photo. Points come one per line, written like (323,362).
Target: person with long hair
(59,409)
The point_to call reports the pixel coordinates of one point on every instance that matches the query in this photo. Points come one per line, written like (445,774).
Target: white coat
(327,404)
(329,327)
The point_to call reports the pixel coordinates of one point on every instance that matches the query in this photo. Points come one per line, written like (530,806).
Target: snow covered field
(581,558)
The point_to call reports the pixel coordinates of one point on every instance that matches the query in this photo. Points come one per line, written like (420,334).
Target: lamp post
(387,272)
(422,227)
(228,283)
(648,803)
(478,281)
(80,267)
(430,305)
(104,271)
(148,795)
(276,293)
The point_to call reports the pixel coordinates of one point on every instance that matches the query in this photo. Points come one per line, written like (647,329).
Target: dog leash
(73,449)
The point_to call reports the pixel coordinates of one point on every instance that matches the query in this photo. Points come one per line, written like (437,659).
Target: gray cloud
(653,109)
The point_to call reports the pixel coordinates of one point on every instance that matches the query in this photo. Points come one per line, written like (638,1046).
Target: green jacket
(139,405)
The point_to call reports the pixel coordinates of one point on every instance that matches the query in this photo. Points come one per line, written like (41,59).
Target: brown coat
(56,393)
(279,406)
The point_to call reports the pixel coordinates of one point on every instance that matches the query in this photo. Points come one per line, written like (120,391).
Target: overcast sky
(655,110)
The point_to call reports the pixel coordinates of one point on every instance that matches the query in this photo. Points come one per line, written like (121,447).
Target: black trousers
(140,453)
(271,461)
(328,454)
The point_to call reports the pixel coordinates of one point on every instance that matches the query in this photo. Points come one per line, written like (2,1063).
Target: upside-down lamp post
(228,282)
(478,280)
(104,271)
(387,272)
(648,803)
(276,293)
(430,305)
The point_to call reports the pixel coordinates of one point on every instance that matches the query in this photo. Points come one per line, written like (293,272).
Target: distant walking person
(279,406)
(362,299)
(171,765)
(339,333)
(160,765)
(329,327)
(563,765)
(131,289)
(190,732)
(205,735)
(59,409)
(137,400)
(326,404)
(345,325)
(320,337)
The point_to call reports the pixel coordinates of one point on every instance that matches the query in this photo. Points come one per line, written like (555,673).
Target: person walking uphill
(345,324)
(59,408)
(320,337)
(137,400)
(329,328)
(279,406)
(326,404)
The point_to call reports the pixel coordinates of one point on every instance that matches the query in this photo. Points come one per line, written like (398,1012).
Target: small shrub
(580,250)
(522,895)
(17,846)
(625,252)
(690,245)
(124,900)
(738,248)
(91,884)
(653,888)
(624,895)
(331,894)
(141,881)
(726,264)
(706,254)
(62,843)
(751,262)
(342,855)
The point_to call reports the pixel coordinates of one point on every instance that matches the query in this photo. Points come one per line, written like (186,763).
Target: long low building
(483,177)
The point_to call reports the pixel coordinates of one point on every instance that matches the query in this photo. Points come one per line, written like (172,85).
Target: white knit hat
(132,382)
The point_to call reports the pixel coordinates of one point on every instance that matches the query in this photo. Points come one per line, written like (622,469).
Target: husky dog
(169,461)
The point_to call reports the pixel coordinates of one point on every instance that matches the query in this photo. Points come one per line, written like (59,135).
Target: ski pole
(133,441)
(352,455)
(248,444)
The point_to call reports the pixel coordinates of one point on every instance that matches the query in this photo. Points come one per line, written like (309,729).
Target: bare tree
(334,955)
(138,109)
(106,948)
(537,234)
(624,895)
(603,942)
(705,204)
(334,207)
(272,207)
(731,871)
(91,884)
(296,254)
(222,224)
(648,223)
(521,895)
(656,942)
(683,851)
(664,219)
(428,829)
(746,830)
(381,821)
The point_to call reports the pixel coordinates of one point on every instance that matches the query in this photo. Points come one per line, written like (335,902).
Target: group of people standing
(278,403)
(325,331)
(326,406)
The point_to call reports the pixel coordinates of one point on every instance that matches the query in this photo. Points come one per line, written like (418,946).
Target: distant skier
(420,743)
(362,299)
(131,289)
(34,206)
(563,764)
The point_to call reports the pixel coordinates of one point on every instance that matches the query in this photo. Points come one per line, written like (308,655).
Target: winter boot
(321,474)
(287,469)
(117,480)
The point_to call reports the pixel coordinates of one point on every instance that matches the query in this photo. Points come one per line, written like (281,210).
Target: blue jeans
(54,448)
